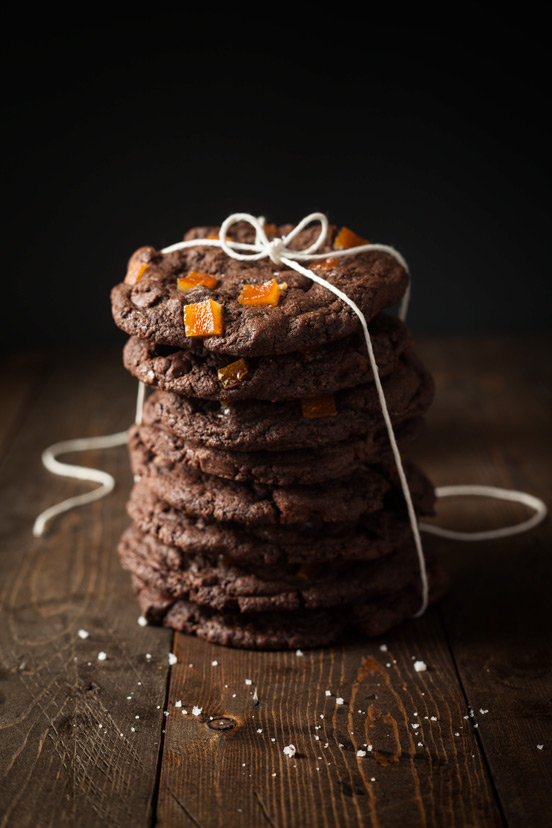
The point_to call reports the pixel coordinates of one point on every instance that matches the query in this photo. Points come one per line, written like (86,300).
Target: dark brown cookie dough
(293,629)
(310,372)
(214,498)
(223,585)
(307,315)
(281,468)
(259,425)
(316,542)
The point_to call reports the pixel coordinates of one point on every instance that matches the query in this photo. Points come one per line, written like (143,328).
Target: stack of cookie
(267,511)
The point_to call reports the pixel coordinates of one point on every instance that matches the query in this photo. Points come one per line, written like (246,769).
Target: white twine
(279,252)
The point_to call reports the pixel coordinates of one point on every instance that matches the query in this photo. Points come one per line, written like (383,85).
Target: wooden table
(88,742)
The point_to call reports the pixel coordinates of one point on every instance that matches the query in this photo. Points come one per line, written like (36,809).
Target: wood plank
(73,748)
(491,424)
(22,373)
(424,767)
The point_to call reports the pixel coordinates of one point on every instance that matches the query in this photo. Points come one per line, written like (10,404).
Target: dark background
(433,140)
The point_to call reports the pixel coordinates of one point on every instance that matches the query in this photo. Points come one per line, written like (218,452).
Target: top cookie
(306,315)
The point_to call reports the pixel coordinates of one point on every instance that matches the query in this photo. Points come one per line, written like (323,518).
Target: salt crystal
(369,747)
(339,700)
(248,681)
(420,666)
(290,750)
(383,648)
(420,744)
(457,733)
(102,656)
(172,658)
(148,656)
(414,725)
(133,729)
(214,664)
(361,753)
(259,730)
(196,710)
(328,692)
(321,715)
(540,747)
(83,634)
(178,703)
(373,779)
(142,621)
(483,711)
(433,718)
(298,652)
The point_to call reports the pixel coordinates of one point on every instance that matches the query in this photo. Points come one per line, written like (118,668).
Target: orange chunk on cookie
(266,294)
(323,406)
(194,278)
(346,238)
(203,318)
(231,374)
(135,272)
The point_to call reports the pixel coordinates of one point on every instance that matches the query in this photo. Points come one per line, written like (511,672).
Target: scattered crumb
(321,715)
(540,747)
(259,730)
(420,666)
(340,745)
(142,621)
(383,648)
(165,713)
(290,750)
(273,738)
(414,725)
(172,658)
(184,712)
(214,664)
(373,779)
(483,711)
(298,652)
(137,717)
(83,634)
(234,695)
(196,710)
(388,664)
(433,718)
(414,714)
(339,700)
(369,747)
(148,656)
(133,729)
(361,753)
(273,774)
(457,733)
(129,697)
(317,738)
(100,725)
(102,656)
(420,744)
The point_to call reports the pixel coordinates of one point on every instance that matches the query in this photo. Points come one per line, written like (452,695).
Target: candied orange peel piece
(193,278)
(231,374)
(346,238)
(203,318)
(265,294)
(135,272)
(322,406)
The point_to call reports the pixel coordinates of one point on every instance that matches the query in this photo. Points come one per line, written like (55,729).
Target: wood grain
(69,755)
(486,646)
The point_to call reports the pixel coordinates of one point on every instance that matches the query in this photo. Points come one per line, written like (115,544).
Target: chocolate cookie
(280,468)
(223,585)
(289,630)
(259,425)
(214,498)
(310,372)
(307,315)
(368,538)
